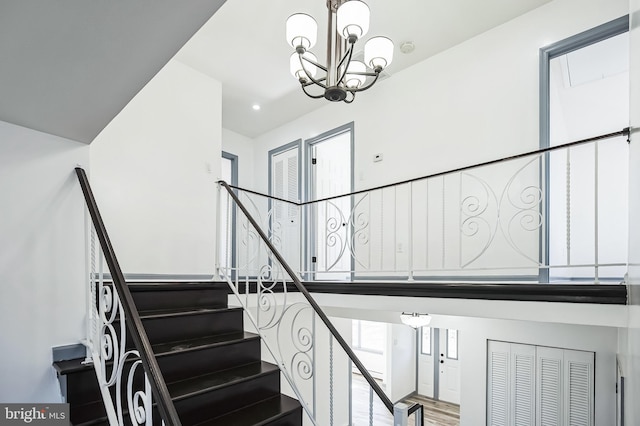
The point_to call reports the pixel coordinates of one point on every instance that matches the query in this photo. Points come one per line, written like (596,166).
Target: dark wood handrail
(133,321)
(624,132)
(296,281)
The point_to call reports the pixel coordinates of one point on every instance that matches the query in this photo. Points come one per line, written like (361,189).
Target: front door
(426,363)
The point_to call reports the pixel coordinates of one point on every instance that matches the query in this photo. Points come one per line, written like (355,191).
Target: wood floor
(436,413)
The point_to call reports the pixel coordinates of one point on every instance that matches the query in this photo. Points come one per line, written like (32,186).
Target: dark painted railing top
(134,324)
(624,132)
(300,287)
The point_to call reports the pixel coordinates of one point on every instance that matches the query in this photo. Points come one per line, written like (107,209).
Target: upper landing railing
(312,354)
(557,214)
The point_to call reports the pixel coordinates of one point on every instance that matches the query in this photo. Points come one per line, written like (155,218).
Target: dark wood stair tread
(71,366)
(202,342)
(262,413)
(219,379)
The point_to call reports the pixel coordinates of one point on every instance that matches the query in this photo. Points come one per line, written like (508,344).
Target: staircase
(212,367)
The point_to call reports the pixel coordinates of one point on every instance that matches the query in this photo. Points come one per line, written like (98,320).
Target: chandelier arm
(311,61)
(348,54)
(309,94)
(353,97)
(309,76)
(362,89)
(309,83)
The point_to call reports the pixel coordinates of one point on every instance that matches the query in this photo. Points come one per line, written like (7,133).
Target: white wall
(631,363)
(42,291)
(154,170)
(401,361)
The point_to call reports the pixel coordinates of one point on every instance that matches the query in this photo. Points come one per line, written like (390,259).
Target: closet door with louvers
(498,383)
(579,388)
(549,386)
(565,388)
(531,385)
(285,217)
(511,386)
(523,385)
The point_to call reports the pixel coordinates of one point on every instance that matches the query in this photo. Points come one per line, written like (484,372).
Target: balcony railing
(553,215)
(314,358)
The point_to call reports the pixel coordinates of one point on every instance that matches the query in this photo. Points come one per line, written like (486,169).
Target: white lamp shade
(302,30)
(353,81)
(378,52)
(353,19)
(296,64)
(415,320)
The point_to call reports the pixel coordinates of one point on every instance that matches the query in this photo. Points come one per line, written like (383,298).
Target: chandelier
(343,76)
(415,319)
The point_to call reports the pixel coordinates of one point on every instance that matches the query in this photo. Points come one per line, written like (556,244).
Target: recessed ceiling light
(256,107)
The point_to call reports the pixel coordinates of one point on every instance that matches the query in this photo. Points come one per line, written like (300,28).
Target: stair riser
(198,362)
(175,299)
(82,387)
(229,398)
(294,418)
(185,327)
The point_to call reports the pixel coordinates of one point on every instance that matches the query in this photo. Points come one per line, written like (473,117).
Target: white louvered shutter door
(284,225)
(549,386)
(578,387)
(498,395)
(523,390)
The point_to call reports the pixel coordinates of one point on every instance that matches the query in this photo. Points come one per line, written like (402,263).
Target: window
(452,344)
(425,340)
(368,336)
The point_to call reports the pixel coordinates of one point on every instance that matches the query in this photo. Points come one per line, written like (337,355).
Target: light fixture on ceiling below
(415,320)
(342,76)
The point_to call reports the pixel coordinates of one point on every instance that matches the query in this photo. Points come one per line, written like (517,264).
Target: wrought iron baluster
(330,380)
(595,207)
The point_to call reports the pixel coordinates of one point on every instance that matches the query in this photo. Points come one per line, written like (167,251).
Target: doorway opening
(330,173)
(584,93)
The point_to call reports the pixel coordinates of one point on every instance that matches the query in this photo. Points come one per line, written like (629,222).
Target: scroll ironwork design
(290,323)
(123,383)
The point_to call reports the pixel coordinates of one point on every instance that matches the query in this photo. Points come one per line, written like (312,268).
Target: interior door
(226,241)
(284,223)
(331,175)
(449,367)
(426,363)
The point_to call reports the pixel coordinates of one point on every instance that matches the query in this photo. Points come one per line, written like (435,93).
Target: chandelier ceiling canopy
(342,76)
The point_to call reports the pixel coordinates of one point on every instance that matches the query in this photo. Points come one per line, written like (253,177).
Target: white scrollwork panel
(521,216)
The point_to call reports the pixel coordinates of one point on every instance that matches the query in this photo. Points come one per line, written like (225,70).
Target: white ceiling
(67,67)
(243,46)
